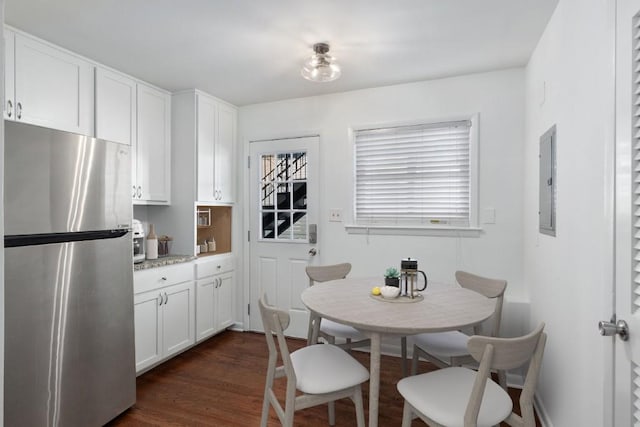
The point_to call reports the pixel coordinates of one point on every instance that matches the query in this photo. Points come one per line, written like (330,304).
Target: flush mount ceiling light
(320,67)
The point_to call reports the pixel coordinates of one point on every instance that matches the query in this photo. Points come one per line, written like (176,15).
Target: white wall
(499,99)
(569,276)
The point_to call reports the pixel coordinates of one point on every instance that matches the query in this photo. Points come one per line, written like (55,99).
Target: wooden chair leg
(403,354)
(414,361)
(406,415)
(267,388)
(357,400)
(502,380)
(332,413)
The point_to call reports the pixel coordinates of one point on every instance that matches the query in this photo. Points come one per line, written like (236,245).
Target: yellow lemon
(375,291)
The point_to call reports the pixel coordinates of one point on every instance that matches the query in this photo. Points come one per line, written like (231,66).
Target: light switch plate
(489,216)
(335,215)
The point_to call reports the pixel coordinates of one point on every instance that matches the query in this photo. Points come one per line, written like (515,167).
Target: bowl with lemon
(387,292)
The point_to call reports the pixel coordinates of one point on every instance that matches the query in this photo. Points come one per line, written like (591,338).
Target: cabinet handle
(166,298)
(9,108)
(161,299)
(134,192)
(19,110)
(139,192)
(164,278)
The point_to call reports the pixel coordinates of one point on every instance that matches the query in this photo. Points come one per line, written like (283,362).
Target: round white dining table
(349,301)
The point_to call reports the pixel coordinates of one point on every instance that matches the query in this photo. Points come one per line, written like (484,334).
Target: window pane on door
(283,189)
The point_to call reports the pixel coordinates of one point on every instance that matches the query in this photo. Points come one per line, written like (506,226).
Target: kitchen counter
(161,262)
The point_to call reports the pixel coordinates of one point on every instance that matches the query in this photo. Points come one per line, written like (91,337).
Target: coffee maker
(138,242)
(409,278)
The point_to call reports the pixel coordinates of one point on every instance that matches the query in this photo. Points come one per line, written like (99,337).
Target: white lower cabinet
(164,307)
(214,296)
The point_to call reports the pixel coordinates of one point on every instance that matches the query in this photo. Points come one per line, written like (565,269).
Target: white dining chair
(449,348)
(462,397)
(323,373)
(330,330)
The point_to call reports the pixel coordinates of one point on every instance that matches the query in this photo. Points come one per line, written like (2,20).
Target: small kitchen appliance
(138,242)
(409,278)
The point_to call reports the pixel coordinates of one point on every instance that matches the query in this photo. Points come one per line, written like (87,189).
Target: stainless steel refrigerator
(69,334)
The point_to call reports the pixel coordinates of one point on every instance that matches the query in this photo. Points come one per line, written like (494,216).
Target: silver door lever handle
(614,328)
(313,252)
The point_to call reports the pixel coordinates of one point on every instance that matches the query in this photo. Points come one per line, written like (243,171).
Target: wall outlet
(335,215)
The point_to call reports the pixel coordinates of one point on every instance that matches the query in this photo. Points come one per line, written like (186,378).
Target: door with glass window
(283,217)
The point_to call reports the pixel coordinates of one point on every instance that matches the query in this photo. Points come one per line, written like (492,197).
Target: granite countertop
(161,262)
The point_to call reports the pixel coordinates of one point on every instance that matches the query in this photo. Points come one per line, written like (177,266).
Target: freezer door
(69,333)
(58,182)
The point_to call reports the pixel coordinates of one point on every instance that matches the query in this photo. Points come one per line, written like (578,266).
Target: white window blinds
(413,175)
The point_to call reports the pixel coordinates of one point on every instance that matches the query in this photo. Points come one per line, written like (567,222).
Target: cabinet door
(53,88)
(224,158)
(206,140)
(115,107)
(177,317)
(205,311)
(225,301)
(9,107)
(147,320)
(153,145)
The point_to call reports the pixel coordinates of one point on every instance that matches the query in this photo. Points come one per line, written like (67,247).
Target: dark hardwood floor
(221,383)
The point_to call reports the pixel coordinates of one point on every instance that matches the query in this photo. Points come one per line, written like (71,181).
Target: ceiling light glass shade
(320,67)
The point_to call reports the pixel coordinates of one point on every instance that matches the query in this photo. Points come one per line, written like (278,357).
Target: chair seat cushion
(443,396)
(443,344)
(324,368)
(339,330)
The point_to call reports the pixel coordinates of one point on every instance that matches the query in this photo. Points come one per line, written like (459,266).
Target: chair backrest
(504,354)
(324,273)
(275,321)
(508,353)
(490,288)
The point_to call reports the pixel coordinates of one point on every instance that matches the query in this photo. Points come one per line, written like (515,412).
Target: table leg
(374,379)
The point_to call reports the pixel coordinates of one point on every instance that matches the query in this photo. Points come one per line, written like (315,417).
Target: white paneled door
(626,396)
(283,213)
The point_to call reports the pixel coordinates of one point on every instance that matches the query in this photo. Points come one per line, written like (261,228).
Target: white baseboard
(542,412)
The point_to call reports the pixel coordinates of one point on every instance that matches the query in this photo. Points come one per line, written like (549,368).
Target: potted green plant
(392,277)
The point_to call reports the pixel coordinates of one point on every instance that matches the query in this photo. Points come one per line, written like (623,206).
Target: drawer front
(154,278)
(214,265)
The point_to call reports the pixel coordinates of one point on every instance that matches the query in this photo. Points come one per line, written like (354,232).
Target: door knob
(313,252)
(620,328)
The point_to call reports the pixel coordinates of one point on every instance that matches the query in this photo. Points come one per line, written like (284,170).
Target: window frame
(472,229)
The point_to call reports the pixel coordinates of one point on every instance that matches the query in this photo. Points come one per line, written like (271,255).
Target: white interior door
(283,212)
(626,394)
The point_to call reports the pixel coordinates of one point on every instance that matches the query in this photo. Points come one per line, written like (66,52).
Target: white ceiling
(251,51)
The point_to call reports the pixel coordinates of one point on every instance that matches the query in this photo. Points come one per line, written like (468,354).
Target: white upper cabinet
(216,133)
(115,107)
(206,142)
(152,159)
(133,113)
(224,157)
(46,86)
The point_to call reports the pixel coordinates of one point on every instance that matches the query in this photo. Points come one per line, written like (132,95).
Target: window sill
(413,230)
